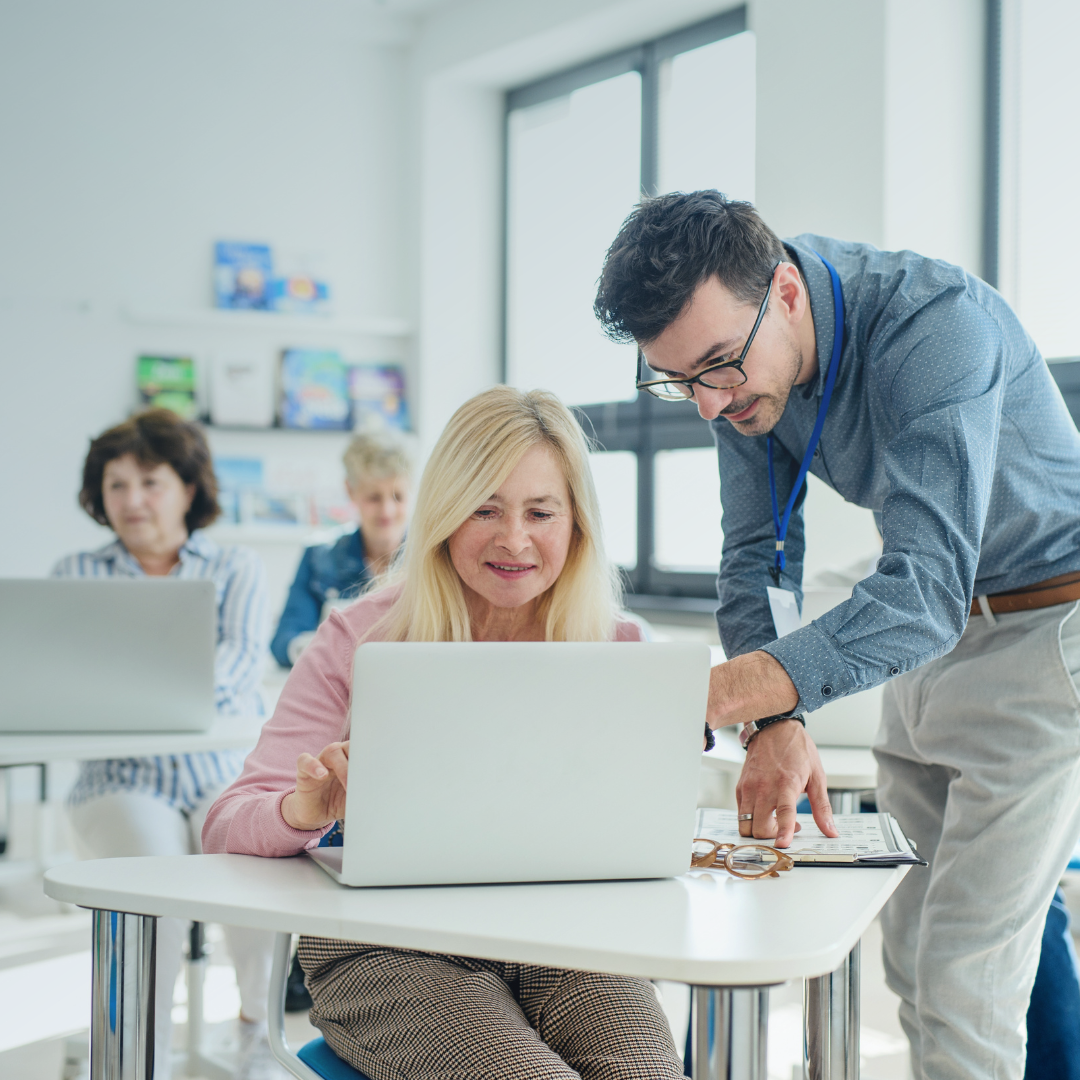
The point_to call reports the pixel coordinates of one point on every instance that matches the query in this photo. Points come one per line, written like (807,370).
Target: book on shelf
(242,275)
(378,398)
(241,391)
(314,390)
(300,294)
(264,508)
(167,382)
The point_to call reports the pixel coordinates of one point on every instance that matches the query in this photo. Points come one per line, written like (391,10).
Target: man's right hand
(319,798)
(781,763)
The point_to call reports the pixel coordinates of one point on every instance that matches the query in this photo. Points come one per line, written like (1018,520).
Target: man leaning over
(939,414)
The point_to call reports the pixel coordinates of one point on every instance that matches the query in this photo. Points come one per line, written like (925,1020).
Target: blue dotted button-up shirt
(947,424)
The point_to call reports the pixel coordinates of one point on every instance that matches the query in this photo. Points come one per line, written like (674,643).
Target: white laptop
(101,655)
(502,762)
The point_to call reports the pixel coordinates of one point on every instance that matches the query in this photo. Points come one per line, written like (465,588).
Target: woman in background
(151,480)
(377,478)
(505,546)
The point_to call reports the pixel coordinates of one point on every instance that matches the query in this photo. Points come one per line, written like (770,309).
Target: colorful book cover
(242,275)
(378,397)
(300,295)
(314,390)
(167,382)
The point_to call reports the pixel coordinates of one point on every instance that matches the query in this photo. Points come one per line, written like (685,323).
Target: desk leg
(730,1032)
(831,1017)
(122,1020)
(844,801)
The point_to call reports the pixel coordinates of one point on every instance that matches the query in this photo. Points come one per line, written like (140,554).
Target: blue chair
(1074,861)
(314,1060)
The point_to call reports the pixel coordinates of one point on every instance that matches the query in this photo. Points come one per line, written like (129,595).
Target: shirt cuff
(307,838)
(814,664)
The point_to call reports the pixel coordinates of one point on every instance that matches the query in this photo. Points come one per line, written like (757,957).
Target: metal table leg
(122,1018)
(729,1032)
(844,801)
(831,1015)
(198,1064)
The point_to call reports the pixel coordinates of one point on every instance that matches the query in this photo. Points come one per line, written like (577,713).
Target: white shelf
(229,533)
(268,321)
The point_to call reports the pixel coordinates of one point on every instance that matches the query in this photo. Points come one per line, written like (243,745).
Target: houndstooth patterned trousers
(396,1014)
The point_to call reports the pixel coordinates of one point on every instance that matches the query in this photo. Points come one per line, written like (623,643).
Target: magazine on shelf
(314,390)
(167,382)
(864,840)
(242,390)
(242,275)
(378,397)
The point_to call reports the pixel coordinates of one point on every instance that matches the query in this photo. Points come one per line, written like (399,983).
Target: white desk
(849,770)
(31,748)
(729,939)
(226,733)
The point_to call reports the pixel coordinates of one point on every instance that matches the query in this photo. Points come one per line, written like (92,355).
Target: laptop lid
(523,761)
(100,655)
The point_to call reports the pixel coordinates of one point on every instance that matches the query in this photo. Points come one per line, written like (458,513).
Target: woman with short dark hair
(151,480)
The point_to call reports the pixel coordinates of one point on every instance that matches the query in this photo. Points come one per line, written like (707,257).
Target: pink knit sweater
(312,712)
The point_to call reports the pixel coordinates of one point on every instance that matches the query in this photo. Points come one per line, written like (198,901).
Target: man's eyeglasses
(726,374)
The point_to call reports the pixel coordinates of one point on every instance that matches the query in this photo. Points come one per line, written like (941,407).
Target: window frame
(644,425)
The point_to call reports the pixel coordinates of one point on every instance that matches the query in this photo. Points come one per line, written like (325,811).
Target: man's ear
(790,292)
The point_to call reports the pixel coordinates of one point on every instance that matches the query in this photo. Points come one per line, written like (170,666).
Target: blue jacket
(326,572)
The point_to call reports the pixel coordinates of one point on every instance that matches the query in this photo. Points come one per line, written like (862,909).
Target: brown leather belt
(1055,590)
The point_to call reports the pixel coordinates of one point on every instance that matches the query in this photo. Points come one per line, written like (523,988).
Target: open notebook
(865,839)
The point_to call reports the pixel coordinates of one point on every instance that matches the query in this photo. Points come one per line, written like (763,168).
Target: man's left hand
(781,763)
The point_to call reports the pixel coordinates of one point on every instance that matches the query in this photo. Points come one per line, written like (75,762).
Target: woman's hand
(319,798)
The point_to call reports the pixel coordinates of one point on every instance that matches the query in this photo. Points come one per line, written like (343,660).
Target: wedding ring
(746,817)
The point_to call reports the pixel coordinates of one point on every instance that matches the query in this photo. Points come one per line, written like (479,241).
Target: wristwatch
(749,731)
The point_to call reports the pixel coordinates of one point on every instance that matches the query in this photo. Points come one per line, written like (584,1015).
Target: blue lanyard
(781,524)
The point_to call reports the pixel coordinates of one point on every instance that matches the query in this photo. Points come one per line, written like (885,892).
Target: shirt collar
(822,308)
(120,557)
(198,545)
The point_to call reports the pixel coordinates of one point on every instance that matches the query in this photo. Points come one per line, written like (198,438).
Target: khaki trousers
(979,760)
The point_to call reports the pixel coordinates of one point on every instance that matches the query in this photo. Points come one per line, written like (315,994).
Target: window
(687,510)
(573,169)
(615,476)
(581,146)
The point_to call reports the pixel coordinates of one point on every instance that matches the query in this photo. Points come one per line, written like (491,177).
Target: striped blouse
(183,780)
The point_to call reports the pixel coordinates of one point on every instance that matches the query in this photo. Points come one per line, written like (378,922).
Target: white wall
(870,122)
(820,106)
(134,136)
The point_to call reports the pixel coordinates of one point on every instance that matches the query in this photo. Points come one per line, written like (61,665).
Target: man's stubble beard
(772,404)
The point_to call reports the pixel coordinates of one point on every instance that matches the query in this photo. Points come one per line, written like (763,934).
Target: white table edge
(60,884)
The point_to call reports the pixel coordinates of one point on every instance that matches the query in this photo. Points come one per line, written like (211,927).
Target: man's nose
(711,402)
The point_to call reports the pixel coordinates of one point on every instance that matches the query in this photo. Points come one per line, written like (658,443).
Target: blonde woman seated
(504,546)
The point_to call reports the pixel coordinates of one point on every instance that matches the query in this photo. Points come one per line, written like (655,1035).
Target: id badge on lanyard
(782,603)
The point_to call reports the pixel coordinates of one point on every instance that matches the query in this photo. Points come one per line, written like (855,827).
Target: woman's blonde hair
(481,445)
(375,457)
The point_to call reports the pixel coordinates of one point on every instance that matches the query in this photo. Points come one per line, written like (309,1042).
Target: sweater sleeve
(313,712)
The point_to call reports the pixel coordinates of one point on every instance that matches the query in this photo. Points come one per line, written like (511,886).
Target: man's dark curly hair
(154,437)
(667,247)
